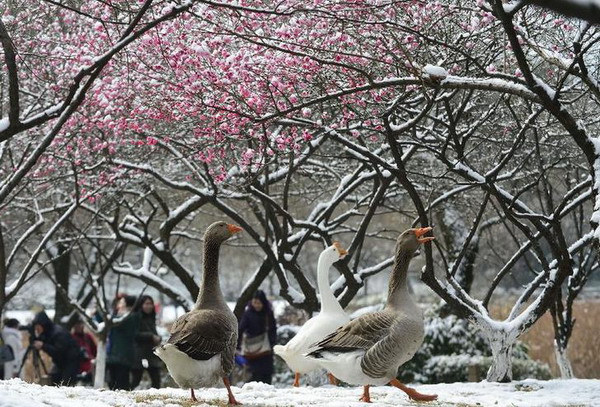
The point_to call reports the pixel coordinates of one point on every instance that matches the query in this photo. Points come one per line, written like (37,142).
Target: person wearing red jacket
(87,346)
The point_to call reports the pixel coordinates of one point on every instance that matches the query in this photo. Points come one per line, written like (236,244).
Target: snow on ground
(530,393)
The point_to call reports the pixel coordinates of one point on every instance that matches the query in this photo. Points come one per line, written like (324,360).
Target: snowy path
(577,392)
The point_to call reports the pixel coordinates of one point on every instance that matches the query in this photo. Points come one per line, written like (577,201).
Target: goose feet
(366,397)
(412,393)
(193,395)
(332,379)
(232,400)
(296,379)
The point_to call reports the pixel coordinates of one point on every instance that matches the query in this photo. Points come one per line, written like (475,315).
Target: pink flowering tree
(53,60)
(411,106)
(428,94)
(280,224)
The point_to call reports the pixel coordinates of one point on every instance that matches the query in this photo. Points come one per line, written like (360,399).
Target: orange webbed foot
(412,393)
(422,397)
(366,397)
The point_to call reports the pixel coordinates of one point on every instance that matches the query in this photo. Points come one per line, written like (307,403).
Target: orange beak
(420,232)
(340,249)
(233,229)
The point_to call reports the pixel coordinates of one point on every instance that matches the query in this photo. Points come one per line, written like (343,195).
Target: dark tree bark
(61,264)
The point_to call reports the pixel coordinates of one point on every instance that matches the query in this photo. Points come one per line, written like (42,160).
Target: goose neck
(398,285)
(210,290)
(328,300)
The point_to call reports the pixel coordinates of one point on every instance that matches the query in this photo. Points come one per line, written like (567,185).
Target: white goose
(369,350)
(201,348)
(331,317)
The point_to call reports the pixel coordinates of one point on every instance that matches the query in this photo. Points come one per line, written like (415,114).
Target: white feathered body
(331,317)
(189,373)
(311,332)
(347,367)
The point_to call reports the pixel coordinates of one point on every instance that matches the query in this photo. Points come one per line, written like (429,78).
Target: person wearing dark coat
(146,339)
(57,342)
(257,319)
(120,354)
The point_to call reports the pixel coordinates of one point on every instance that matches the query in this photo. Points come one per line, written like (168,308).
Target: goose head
(333,253)
(410,239)
(220,231)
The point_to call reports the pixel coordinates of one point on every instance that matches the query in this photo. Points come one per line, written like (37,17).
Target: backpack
(6,352)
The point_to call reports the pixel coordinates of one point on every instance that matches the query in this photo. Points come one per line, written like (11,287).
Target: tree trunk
(563,362)
(100,369)
(501,345)
(455,232)
(3,274)
(62,270)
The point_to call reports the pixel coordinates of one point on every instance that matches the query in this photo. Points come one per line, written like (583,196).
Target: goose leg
(193,395)
(412,393)
(366,397)
(296,379)
(232,400)
(332,379)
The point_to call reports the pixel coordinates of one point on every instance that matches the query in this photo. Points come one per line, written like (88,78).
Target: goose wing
(361,333)
(203,334)
(395,348)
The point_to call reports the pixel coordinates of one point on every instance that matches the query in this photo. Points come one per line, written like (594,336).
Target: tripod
(38,366)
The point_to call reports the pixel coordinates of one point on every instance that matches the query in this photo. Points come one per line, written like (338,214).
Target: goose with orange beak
(331,317)
(201,348)
(369,350)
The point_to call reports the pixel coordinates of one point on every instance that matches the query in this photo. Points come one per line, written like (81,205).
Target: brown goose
(201,348)
(369,350)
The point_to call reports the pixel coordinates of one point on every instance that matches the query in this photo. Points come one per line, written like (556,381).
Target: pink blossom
(306,136)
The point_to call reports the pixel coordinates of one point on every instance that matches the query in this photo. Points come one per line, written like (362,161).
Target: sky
(530,393)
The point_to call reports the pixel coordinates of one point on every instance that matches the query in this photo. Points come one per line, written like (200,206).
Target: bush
(285,333)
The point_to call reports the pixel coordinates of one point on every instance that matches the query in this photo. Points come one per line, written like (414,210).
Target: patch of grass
(527,387)
(584,354)
(182,401)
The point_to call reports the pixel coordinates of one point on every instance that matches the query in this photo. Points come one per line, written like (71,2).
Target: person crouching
(57,342)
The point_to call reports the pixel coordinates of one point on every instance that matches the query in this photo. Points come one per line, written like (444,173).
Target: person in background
(258,319)
(146,339)
(121,344)
(57,342)
(87,346)
(13,338)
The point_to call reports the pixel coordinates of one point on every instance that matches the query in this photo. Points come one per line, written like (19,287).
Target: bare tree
(287,206)
(34,113)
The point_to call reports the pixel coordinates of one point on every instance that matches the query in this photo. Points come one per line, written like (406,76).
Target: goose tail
(279,350)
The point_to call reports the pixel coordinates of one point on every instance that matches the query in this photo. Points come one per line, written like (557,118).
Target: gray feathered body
(209,328)
(370,349)
(201,348)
